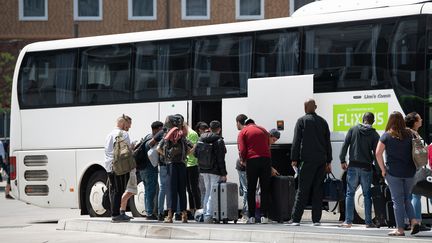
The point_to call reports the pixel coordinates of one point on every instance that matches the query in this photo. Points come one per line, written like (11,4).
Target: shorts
(132,183)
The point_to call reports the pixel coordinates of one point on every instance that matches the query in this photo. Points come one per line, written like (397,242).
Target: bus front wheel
(94,192)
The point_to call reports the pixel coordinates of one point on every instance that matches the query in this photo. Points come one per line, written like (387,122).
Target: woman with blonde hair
(399,170)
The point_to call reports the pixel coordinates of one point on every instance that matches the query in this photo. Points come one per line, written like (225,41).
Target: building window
(88,9)
(196,9)
(142,9)
(249,9)
(33,9)
(296,4)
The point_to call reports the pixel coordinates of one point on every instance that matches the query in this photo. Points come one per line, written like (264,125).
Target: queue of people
(180,167)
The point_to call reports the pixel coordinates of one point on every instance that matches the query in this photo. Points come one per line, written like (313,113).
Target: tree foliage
(7,64)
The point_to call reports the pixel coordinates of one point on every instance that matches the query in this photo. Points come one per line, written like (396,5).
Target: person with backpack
(118,182)
(398,170)
(210,152)
(174,147)
(148,171)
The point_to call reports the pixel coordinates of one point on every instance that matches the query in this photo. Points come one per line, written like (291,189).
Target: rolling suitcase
(383,206)
(282,198)
(224,202)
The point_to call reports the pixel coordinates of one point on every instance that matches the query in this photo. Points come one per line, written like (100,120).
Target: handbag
(106,202)
(419,152)
(423,182)
(153,155)
(333,189)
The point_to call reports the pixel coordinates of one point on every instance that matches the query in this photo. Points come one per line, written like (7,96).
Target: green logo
(347,115)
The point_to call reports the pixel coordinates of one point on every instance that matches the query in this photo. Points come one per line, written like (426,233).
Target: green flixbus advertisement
(347,115)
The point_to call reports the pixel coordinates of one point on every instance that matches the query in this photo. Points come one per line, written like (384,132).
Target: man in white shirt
(118,182)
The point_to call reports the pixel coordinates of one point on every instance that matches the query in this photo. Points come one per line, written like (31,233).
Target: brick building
(26,21)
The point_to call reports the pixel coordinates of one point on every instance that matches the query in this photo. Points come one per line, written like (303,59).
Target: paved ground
(327,232)
(33,221)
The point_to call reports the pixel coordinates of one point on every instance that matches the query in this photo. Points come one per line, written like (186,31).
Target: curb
(162,231)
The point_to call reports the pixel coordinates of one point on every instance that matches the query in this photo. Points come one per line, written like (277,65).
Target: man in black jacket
(362,141)
(311,145)
(217,172)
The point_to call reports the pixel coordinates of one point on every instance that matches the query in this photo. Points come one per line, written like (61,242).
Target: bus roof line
(228,28)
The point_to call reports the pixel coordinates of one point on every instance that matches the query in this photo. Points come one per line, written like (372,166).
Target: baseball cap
(275,133)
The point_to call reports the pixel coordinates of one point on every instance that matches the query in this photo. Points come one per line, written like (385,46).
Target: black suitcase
(383,206)
(282,198)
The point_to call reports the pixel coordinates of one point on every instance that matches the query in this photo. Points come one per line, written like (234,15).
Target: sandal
(345,225)
(396,233)
(415,229)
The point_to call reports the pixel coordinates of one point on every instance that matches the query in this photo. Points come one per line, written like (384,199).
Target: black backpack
(140,153)
(204,153)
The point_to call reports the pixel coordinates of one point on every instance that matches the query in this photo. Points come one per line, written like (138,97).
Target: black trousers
(177,186)
(258,168)
(310,187)
(117,188)
(192,186)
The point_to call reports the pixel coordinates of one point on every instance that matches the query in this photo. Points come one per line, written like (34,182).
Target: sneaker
(251,220)
(151,217)
(316,224)
(9,197)
(372,225)
(177,217)
(292,223)
(160,217)
(264,220)
(424,228)
(120,218)
(244,219)
(207,220)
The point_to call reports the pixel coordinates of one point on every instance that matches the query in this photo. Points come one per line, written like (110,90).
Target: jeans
(163,191)
(243,190)
(400,189)
(416,202)
(209,181)
(177,186)
(356,176)
(149,178)
(258,168)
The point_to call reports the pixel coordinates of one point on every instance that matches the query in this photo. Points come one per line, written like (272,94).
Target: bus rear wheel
(94,192)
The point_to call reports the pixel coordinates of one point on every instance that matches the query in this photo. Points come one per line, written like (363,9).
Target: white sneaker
(317,224)
(292,223)
(251,220)
(264,220)
(244,219)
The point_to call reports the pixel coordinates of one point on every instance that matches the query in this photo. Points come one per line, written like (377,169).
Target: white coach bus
(354,56)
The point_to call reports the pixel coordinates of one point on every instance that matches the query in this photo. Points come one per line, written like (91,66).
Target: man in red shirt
(254,149)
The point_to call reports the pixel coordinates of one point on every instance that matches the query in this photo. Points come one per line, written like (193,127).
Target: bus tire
(94,192)
(136,202)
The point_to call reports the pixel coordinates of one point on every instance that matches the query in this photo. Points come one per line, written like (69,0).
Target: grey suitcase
(224,198)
